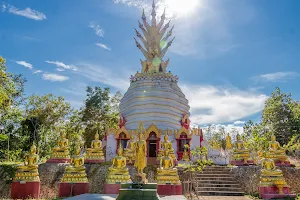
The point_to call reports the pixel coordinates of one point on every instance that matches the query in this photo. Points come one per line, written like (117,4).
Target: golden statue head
(165,137)
(132,137)
(228,135)
(33,149)
(77,149)
(97,136)
(120,150)
(63,134)
(273,138)
(238,137)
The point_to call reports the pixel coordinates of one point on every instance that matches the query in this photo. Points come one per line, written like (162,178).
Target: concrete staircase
(217,181)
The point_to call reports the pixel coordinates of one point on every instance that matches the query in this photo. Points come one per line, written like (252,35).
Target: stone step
(215,178)
(209,181)
(215,171)
(221,184)
(219,193)
(218,175)
(232,189)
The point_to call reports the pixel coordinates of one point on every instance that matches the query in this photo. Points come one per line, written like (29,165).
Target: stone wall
(51,174)
(248,177)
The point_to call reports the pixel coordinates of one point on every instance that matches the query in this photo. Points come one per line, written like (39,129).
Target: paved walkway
(224,198)
(175,197)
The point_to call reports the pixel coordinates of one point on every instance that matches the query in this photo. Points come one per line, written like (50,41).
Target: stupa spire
(154,40)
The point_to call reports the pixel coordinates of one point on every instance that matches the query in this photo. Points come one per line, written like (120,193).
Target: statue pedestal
(273,192)
(111,188)
(59,160)
(25,190)
(241,163)
(283,164)
(72,189)
(91,161)
(168,190)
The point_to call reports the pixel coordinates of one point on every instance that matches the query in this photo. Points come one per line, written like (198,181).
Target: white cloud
(277,76)
(25,64)
(60,69)
(239,122)
(27,12)
(3,7)
(103,46)
(97,29)
(105,75)
(62,65)
(210,104)
(37,71)
(54,77)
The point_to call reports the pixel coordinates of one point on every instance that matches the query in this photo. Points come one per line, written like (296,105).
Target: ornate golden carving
(122,130)
(153,128)
(183,130)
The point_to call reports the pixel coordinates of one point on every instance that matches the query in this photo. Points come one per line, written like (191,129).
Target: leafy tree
(100,111)
(43,116)
(278,116)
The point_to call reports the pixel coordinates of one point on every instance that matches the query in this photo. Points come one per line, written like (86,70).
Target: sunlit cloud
(97,29)
(25,64)
(62,65)
(213,105)
(54,77)
(27,12)
(104,46)
(239,122)
(277,76)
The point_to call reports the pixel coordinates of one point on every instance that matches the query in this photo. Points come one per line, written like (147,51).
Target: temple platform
(59,160)
(25,190)
(273,193)
(72,189)
(283,164)
(168,190)
(241,163)
(91,161)
(111,188)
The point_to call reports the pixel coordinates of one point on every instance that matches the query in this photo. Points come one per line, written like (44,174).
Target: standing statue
(228,142)
(140,158)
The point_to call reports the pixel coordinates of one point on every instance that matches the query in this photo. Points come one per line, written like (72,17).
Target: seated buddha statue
(271,176)
(166,145)
(62,150)
(118,172)
(166,173)
(240,152)
(75,172)
(29,171)
(129,152)
(95,152)
(276,152)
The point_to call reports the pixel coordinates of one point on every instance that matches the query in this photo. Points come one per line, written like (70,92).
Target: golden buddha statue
(240,152)
(166,173)
(228,142)
(129,152)
(76,171)
(271,176)
(118,172)
(95,152)
(185,155)
(29,171)
(166,145)
(62,150)
(276,152)
(140,157)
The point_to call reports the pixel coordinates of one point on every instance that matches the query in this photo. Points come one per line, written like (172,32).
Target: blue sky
(229,55)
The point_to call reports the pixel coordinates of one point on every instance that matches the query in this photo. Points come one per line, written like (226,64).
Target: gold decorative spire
(155,42)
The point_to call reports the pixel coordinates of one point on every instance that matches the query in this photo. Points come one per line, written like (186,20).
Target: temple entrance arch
(152,145)
(183,137)
(122,136)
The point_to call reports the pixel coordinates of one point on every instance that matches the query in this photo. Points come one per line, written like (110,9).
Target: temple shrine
(153,103)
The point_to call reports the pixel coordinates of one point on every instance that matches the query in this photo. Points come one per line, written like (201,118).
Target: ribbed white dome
(154,98)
